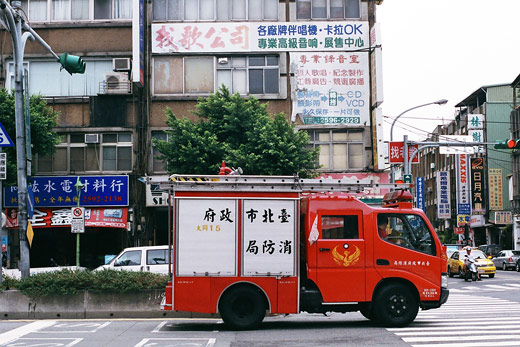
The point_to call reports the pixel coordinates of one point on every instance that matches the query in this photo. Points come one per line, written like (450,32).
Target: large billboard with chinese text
(331,88)
(463,185)
(60,191)
(259,37)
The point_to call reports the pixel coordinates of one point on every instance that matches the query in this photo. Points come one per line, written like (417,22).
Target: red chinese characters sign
(395,152)
(94,217)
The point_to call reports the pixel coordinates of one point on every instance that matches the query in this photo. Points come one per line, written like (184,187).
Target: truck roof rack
(268,184)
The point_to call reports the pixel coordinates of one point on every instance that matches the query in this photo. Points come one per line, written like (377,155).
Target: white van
(149,259)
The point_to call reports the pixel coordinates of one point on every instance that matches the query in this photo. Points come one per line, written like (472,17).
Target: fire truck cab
(246,245)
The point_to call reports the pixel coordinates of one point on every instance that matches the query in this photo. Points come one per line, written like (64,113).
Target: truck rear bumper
(426,305)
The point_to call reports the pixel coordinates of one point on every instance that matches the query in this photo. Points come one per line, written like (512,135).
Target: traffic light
(72,63)
(507,144)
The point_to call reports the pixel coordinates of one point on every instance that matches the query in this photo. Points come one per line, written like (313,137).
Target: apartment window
(244,75)
(63,84)
(67,10)
(339,149)
(221,10)
(328,9)
(158,165)
(249,75)
(112,152)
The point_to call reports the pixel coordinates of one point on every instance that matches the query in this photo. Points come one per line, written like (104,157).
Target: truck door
(341,256)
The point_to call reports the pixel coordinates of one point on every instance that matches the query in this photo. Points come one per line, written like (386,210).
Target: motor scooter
(471,272)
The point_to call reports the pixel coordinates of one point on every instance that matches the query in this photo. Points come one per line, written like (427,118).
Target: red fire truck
(244,245)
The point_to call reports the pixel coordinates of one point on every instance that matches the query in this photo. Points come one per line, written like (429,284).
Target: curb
(85,305)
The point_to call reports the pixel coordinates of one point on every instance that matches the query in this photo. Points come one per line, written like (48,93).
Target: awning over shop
(115,217)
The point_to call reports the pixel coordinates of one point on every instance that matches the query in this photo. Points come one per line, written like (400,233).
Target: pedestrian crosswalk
(465,321)
(487,288)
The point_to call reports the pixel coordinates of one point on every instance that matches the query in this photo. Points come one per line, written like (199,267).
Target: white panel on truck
(269,238)
(206,237)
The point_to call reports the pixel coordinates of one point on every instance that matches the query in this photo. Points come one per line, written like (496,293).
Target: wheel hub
(397,305)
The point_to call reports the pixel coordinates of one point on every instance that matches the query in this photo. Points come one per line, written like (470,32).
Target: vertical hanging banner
(419,184)
(477,185)
(496,202)
(443,197)
(463,185)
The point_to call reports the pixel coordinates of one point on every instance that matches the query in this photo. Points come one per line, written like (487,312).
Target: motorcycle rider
(467,257)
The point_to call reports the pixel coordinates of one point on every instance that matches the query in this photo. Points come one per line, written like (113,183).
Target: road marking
(50,341)
(206,342)
(67,326)
(158,328)
(24,330)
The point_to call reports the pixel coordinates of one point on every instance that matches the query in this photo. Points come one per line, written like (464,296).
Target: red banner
(94,217)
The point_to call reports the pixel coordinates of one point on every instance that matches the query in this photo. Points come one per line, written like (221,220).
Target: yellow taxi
(484,265)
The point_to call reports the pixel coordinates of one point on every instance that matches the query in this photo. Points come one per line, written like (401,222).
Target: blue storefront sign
(419,183)
(60,191)
(464,209)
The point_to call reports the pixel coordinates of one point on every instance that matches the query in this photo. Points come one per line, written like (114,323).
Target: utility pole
(14,22)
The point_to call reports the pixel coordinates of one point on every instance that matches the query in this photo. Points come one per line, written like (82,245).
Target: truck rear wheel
(396,305)
(242,308)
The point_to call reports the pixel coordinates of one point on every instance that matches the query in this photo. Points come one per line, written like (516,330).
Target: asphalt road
(477,314)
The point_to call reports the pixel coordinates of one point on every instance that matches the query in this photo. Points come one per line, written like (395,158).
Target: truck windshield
(409,231)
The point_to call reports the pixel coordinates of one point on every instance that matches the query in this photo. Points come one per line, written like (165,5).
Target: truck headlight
(444,280)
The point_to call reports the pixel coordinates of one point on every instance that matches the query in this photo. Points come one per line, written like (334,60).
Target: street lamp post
(438,102)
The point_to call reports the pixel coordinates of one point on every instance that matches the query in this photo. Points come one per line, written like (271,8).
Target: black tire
(396,305)
(461,273)
(242,308)
(518,266)
(474,276)
(491,275)
(504,267)
(367,311)
(450,274)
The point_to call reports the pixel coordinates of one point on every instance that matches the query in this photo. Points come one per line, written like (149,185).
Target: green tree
(239,131)
(43,137)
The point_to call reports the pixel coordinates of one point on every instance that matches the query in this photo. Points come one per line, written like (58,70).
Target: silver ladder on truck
(268,183)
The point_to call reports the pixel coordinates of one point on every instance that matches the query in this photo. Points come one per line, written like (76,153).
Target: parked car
(149,259)
(484,265)
(450,248)
(490,250)
(506,259)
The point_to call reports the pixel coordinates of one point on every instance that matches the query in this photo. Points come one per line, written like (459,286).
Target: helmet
(468,248)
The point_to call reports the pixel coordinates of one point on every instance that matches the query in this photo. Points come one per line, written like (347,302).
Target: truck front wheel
(396,306)
(242,308)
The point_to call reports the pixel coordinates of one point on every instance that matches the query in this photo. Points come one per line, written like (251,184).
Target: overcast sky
(443,49)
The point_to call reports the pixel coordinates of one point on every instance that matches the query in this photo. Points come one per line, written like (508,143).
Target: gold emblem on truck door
(348,258)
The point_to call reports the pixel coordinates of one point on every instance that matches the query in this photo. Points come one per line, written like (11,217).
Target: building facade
(473,187)
(316,61)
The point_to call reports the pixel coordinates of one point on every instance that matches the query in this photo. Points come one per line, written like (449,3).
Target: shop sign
(331,88)
(477,221)
(444,197)
(59,191)
(477,185)
(395,152)
(501,217)
(495,190)
(259,37)
(420,193)
(94,217)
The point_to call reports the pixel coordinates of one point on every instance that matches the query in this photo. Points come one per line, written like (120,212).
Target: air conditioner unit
(121,64)
(91,138)
(117,83)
